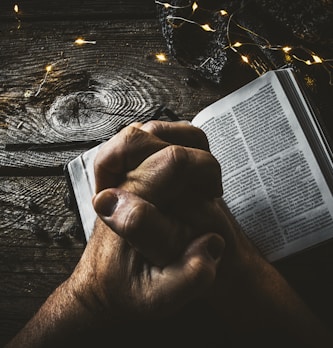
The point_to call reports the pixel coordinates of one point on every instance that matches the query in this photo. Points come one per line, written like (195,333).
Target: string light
(317,59)
(171,20)
(245,59)
(288,50)
(81,41)
(48,69)
(161,57)
(206,27)
(167,5)
(16,11)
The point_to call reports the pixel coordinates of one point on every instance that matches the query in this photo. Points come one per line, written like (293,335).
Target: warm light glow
(224,12)
(167,5)
(194,6)
(245,59)
(16,8)
(309,81)
(317,59)
(161,57)
(48,68)
(308,62)
(80,41)
(237,44)
(286,49)
(206,27)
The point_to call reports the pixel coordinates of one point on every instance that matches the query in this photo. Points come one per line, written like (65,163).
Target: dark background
(92,90)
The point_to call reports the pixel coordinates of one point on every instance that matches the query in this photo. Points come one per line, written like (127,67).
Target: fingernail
(215,247)
(105,203)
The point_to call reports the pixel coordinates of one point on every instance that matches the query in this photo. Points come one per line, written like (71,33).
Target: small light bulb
(206,27)
(48,68)
(237,44)
(224,13)
(81,41)
(16,8)
(286,49)
(317,59)
(194,6)
(245,59)
(161,57)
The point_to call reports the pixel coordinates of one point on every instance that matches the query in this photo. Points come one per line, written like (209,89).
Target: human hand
(118,267)
(115,280)
(178,188)
(249,294)
(173,187)
(159,187)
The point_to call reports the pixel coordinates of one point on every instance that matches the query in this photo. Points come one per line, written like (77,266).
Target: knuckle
(153,127)
(131,134)
(178,156)
(135,221)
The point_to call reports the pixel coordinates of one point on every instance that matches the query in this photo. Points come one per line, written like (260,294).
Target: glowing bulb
(206,27)
(194,6)
(224,13)
(237,44)
(48,68)
(161,57)
(81,41)
(317,59)
(286,49)
(245,59)
(16,8)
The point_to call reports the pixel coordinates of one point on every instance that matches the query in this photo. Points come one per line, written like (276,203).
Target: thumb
(195,272)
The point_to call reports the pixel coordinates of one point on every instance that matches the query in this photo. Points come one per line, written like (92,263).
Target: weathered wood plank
(33,260)
(33,207)
(61,9)
(92,89)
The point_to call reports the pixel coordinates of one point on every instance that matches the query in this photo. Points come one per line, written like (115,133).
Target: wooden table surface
(90,90)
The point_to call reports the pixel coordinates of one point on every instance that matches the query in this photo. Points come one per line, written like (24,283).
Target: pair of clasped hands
(159,189)
(163,239)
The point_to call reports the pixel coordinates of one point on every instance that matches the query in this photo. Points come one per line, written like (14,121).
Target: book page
(271,179)
(81,175)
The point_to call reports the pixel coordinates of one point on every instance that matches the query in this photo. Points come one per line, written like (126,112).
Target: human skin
(252,300)
(113,281)
(164,238)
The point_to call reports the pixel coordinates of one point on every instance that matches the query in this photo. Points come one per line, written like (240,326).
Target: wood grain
(92,89)
(33,260)
(32,10)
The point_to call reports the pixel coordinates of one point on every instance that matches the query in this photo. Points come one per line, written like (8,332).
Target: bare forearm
(60,321)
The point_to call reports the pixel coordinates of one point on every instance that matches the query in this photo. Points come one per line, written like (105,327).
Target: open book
(277,168)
